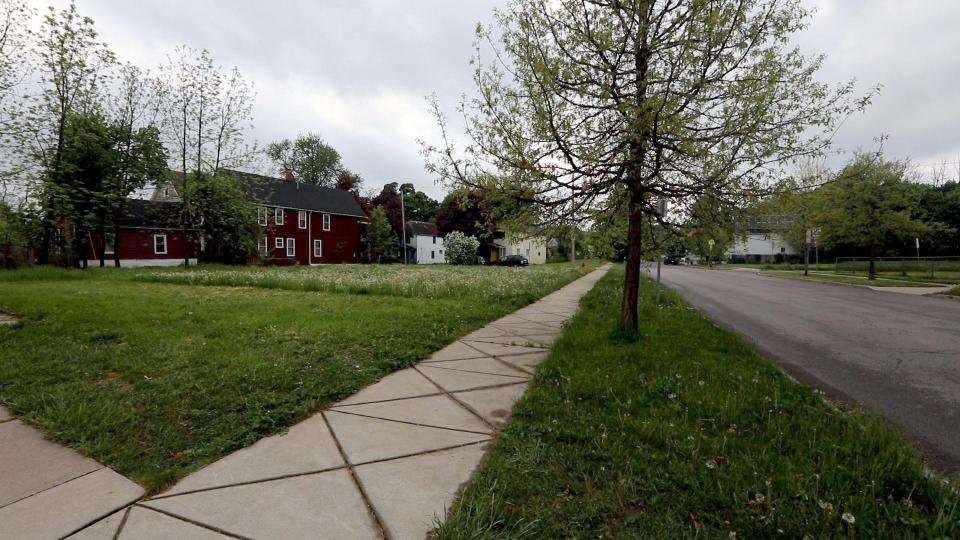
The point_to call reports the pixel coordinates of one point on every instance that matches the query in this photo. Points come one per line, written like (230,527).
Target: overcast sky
(357,71)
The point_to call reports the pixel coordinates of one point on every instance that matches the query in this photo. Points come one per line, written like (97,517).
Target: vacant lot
(156,377)
(690,433)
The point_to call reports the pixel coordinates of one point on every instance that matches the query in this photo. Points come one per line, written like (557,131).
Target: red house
(149,235)
(304,223)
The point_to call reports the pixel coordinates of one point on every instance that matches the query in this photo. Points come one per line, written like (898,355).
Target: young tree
(15,16)
(308,157)
(381,240)
(666,98)
(72,66)
(134,110)
(228,222)
(868,205)
(233,119)
(709,219)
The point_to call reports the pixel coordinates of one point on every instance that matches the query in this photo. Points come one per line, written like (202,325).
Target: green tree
(665,98)
(12,237)
(709,219)
(381,240)
(869,205)
(308,157)
(72,67)
(228,221)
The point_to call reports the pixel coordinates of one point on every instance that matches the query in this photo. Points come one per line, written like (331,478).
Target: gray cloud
(357,71)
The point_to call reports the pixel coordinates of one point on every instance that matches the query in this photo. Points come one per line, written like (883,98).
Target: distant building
(762,239)
(150,234)
(534,248)
(424,243)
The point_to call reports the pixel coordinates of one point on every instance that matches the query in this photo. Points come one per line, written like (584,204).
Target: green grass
(954,291)
(687,433)
(852,280)
(158,379)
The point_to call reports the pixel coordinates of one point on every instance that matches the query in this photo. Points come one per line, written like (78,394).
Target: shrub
(461,249)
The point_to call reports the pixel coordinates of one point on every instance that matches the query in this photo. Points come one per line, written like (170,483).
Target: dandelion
(825,506)
(701,383)
(848,517)
(711,464)
(672,396)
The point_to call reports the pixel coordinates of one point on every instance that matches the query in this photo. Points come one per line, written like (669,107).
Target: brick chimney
(288,175)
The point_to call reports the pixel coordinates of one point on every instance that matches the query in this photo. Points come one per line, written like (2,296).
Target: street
(895,353)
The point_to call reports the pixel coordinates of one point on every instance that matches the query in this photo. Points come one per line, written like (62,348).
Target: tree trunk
(631,285)
(116,235)
(102,231)
(872,273)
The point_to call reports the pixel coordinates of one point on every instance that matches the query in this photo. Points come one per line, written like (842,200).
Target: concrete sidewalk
(384,463)
(49,491)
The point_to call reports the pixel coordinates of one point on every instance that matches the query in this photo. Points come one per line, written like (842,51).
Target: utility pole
(806,252)
(403,228)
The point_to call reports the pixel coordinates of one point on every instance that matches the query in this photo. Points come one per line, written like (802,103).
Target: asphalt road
(896,353)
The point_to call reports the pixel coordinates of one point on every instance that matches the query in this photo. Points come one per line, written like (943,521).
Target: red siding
(340,244)
(137,244)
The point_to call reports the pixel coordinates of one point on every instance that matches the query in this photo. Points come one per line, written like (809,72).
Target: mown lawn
(158,379)
(688,433)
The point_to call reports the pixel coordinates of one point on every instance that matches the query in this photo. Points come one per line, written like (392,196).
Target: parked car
(514,260)
(672,260)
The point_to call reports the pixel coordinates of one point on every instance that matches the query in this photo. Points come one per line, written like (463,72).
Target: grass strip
(159,379)
(851,280)
(688,432)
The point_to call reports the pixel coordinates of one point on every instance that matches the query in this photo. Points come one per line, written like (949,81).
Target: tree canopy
(666,98)
(308,157)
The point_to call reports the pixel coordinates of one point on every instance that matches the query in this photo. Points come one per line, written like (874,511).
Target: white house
(760,247)
(424,243)
(534,248)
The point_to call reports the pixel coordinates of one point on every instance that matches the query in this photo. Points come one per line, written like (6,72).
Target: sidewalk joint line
(411,423)
(432,394)
(468,408)
(372,512)
(481,372)
(248,482)
(44,490)
(192,522)
(123,522)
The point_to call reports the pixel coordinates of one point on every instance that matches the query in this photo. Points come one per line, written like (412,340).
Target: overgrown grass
(690,433)
(422,281)
(852,280)
(954,291)
(157,379)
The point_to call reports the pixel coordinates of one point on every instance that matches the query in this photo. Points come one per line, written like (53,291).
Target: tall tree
(667,98)
(141,157)
(308,157)
(229,222)
(868,205)
(15,16)
(234,117)
(72,66)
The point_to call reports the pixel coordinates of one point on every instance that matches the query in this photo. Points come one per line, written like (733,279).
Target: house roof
(143,214)
(297,195)
(422,228)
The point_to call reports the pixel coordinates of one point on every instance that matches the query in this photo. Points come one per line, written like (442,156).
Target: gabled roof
(297,195)
(422,228)
(143,214)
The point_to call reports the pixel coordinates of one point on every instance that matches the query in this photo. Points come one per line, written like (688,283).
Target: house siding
(341,244)
(137,249)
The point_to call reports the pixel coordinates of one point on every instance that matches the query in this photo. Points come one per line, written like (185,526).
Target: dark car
(671,259)
(514,260)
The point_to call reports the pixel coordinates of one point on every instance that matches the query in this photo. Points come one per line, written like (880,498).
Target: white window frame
(165,246)
(262,245)
(318,248)
(327,222)
(291,247)
(302,219)
(262,216)
(278,243)
(278,216)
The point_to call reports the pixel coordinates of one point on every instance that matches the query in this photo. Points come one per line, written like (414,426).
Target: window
(434,239)
(278,216)
(278,243)
(318,248)
(262,245)
(783,250)
(326,222)
(302,219)
(160,244)
(291,247)
(433,255)
(262,216)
